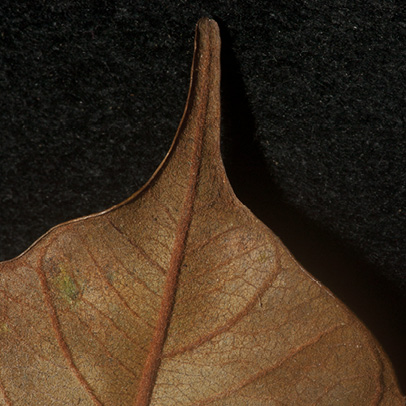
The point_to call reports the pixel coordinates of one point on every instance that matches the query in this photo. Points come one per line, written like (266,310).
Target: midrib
(153,360)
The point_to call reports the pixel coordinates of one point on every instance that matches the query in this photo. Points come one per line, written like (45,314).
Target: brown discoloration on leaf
(180,296)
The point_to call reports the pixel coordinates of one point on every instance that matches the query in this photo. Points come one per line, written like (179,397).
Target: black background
(314,92)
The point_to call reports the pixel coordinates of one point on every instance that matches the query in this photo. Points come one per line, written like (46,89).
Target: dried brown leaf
(180,296)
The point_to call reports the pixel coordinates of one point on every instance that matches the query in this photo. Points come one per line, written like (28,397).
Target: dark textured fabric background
(91,94)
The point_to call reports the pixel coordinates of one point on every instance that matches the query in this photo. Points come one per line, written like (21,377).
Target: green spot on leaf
(4,328)
(263,257)
(110,275)
(67,285)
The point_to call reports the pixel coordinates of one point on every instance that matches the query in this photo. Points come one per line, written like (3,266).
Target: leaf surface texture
(180,296)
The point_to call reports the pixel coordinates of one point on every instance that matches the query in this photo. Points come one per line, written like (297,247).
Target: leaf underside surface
(180,296)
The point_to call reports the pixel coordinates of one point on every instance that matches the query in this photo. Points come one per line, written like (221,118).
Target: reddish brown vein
(266,371)
(232,322)
(110,320)
(105,349)
(153,360)
(21,340)
(213,238)
(133,275)
(116,292)
(137,247)
(220,265)
(58,332)
(165,208)
(20,302)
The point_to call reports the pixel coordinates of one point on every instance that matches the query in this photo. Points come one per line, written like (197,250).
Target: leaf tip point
(206,23)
